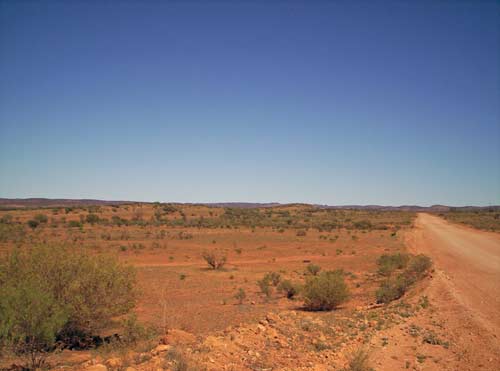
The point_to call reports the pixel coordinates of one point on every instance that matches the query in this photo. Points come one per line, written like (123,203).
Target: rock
(114,362)
(282,343)
(162,348)
(272,318)
(212,343)
(98,367)
(142,357)
(272,333)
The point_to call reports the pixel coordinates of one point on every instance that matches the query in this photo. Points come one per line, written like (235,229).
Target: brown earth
(464,295)
(449,321)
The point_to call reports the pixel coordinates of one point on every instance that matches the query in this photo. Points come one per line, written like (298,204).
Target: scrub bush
(326,291)
(49,291)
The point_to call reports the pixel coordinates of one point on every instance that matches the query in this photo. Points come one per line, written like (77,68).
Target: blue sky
(322,102)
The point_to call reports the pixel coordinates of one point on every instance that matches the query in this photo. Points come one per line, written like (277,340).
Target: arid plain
(194,317)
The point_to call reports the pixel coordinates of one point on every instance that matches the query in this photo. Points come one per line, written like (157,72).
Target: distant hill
(55,202)
(433,208)
(63,202)
(243,205)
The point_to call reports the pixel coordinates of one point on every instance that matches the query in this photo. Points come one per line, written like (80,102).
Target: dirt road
(469,260)
(466,284)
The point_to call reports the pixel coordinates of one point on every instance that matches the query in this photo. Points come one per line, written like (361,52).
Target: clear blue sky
(316,101)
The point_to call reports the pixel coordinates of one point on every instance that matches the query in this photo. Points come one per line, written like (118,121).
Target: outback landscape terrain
(249,185)
(262,287)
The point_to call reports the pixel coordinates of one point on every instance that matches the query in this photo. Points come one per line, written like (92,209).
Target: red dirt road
(466,285)
(470,260)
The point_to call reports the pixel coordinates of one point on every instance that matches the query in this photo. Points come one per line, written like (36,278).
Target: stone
(162,348)
(114,362)
(98,367)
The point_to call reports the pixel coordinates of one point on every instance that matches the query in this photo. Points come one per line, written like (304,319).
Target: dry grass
(486,219)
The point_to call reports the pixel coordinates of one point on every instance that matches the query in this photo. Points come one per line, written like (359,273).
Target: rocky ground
(403,335)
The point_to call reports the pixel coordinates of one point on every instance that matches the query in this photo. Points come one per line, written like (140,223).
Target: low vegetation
(389,263)
(410,269)
(313,269)
(79,290)
(289,288)
(359,361)
(268,283)
(49,292)
(240,295)
(487,218)
(326,291)
(215,259)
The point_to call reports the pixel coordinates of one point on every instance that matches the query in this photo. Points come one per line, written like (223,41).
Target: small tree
(31,318)
(51,289)
(216,260)
(326,291)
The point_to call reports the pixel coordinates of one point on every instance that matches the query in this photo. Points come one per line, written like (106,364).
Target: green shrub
(88,289)
(41,218)
(392,289)
(313,269)
(389,263)
(265,286)
(419,265)
(74,224)
(33,223)
(92,218)
(134,331)
(359,361)
(326,291)
(289,289)
(273,277)
(395,287)
(270,280)
(363,224)
(31,318)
